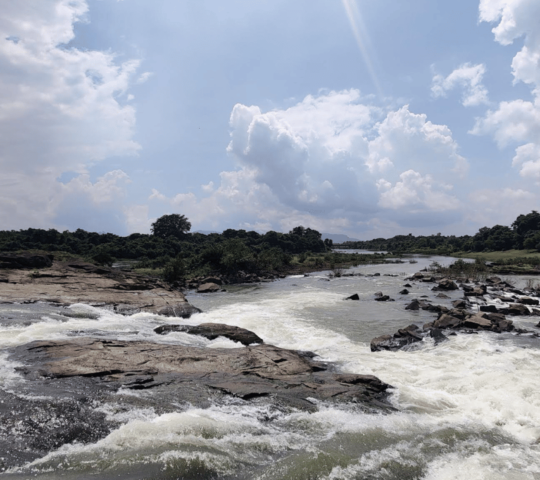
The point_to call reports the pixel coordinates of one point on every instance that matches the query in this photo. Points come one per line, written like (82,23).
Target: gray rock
(459,304)
(213,331)
(477,321)
(208,288)
(402,338)
(182,310)
(414,305)
(437,335)
(446,284)
(72,282)
(488,308)
(528,301)
(447,321)
(354,296)
(285,376)
(442,295)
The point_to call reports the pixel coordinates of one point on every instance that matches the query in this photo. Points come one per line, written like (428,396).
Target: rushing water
(468,408)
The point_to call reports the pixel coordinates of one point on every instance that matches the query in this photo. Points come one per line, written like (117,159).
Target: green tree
(171,225)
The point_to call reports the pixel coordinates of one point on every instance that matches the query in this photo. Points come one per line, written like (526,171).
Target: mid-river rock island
(39,278)
(69,380)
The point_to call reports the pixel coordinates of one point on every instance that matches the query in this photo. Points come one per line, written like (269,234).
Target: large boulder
(459,304)
(414,305)
(403,337)
(208,288)
(476,291)
(528,301)
(446,284)
(447,321)
(477,321)
(194,375)
(182,310)
(515,309)
(212,331)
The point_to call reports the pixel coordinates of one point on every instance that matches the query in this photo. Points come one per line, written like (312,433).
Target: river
(467,408)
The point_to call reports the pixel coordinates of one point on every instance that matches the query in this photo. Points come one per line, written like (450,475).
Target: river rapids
(468,408)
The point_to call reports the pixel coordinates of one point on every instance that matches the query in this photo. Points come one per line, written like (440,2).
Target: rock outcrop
(287,377)
(489,302)
(66,283)
(212,331)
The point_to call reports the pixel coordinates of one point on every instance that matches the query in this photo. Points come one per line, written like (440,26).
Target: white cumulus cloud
(517,121)
(469,78)
(319,162)
(61,109)
(414,192)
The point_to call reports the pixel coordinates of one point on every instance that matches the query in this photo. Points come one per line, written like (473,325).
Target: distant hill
(338,237)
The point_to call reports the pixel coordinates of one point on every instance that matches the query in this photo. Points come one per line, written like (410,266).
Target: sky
(370,118)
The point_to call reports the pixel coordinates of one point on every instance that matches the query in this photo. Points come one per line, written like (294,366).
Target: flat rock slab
(213,331)
(262,370)
(66,283)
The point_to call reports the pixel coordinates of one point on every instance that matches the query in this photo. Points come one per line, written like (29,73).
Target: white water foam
(470,407)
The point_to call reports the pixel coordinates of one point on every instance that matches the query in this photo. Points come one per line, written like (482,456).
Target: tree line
(523,234)
(173,247)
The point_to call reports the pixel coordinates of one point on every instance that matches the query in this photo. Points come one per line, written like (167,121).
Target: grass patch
(497,257)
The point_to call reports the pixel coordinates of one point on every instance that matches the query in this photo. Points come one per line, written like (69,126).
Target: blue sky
(364,117)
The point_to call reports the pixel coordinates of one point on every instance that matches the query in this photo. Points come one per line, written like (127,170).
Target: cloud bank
(333,161)
(517,121)
(62,110)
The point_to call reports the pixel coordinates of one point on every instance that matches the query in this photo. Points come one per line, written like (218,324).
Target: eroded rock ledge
(33,278)
(288,376)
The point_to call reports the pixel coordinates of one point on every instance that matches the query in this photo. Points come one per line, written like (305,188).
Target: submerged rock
(402,338)
(182,310)
(414,305)
(446,284)
(442,295)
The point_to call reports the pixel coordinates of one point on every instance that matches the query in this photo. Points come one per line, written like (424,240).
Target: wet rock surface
(212,331)
(483,308)
(69,382)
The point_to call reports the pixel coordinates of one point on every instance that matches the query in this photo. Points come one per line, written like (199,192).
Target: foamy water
(468,408)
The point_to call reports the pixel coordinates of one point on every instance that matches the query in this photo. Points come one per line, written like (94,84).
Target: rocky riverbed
(68,381)
(483,308)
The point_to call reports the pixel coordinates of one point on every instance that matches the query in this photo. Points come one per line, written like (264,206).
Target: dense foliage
(179,252)
(523,234)
(171,225)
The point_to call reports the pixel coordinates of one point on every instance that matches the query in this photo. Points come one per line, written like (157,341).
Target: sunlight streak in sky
(362,38)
